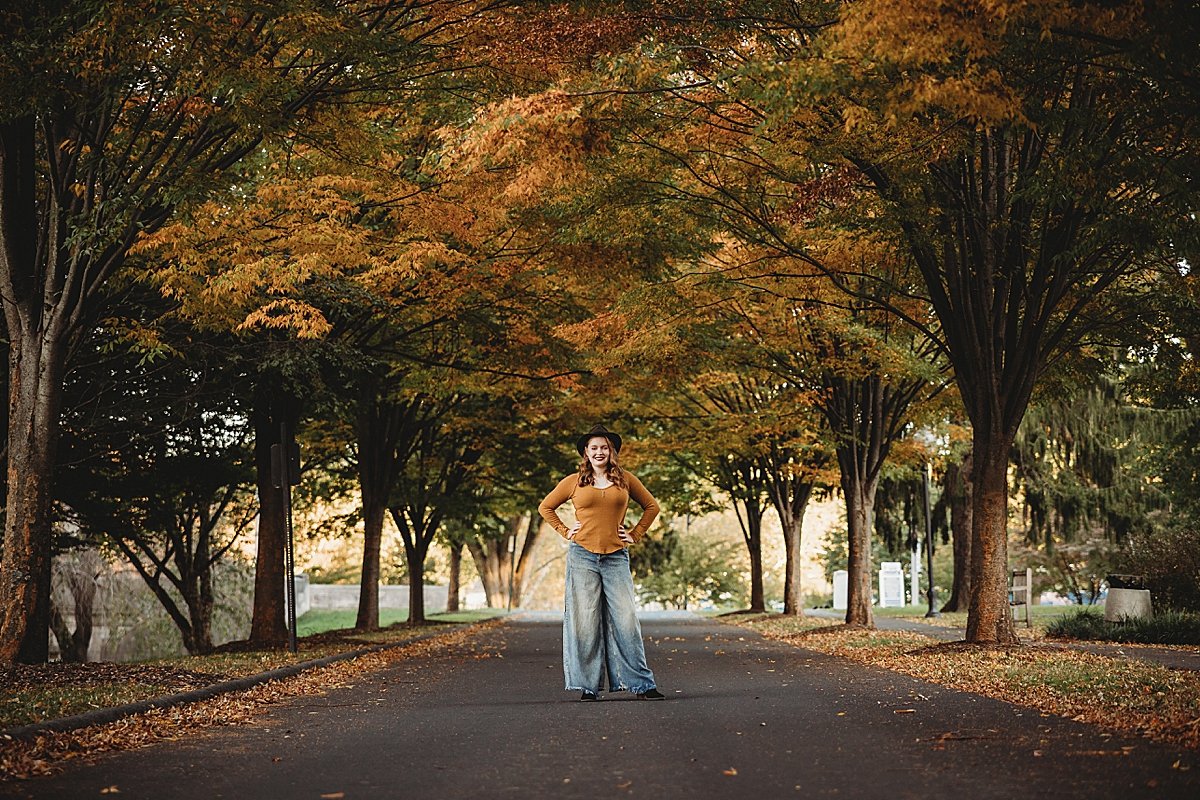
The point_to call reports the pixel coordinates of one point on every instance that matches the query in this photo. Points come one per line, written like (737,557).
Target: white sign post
(841,589)
(891,585)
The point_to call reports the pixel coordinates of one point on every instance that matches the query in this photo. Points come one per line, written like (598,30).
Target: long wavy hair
(616,476)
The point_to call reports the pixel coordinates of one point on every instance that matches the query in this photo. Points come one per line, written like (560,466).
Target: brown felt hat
(598,430)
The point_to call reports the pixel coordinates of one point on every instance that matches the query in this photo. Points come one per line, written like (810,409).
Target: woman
(601,632)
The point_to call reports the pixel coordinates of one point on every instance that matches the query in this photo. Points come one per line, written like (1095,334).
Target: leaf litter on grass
(1130,696)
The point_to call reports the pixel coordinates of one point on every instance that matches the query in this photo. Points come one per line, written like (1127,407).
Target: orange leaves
(539,141)
(950,57)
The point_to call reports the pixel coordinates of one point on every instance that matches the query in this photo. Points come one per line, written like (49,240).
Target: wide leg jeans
(601,632)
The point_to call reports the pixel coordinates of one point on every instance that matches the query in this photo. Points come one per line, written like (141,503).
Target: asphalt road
(745,718)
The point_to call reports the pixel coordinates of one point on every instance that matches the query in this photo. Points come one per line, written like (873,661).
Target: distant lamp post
(928,439)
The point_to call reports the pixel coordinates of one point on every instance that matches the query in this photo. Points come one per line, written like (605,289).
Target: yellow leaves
(302,319)
(539,143)
(956,60)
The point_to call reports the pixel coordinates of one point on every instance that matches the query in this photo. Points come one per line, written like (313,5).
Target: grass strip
(36,693)
(49,751)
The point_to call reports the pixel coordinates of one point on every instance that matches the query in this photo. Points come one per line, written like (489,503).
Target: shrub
(1170,558)
(1171,627)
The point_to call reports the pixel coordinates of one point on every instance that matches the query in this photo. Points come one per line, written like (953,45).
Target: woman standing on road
(601,632)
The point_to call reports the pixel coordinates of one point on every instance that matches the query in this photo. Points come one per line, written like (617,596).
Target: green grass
(320,620)
(323,619)
(1040,616)
(1163,628)
(36,704)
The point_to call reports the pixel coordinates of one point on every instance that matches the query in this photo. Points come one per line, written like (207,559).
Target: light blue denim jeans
(601,632)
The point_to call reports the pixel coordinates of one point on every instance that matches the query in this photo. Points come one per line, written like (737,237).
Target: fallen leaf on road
(110,790)
(333,796)
(730,771)
(904,711)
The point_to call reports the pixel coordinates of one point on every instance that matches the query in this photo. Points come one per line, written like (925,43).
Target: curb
(103,716)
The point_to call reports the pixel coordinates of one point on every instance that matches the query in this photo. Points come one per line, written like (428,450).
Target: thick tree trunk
(493,561)
(454,585)
(378,428)
(989,618)
(36,365)
(958,482)
(860,517)
(268,626)
(37,329)
(416,589)
(491,557)
(368,591)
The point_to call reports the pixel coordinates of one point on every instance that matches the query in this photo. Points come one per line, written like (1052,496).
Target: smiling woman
(601,632)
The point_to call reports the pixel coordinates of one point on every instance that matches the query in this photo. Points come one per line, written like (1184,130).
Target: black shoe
(588,697)
(653,694)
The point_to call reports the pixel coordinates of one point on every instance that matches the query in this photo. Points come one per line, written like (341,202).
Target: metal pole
(932,612)
(289,545)
(512,570)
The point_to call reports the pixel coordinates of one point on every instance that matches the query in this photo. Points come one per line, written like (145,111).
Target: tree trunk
(368,591)
(378,427)
(791,519)
(754,517)
(202,610)
(416,590)
(958,484)
(38,326)
(78,574)
(416,546)
(490,557)
(36,365)
(493,560)
(453,587)
(533,528)
(860,517)
(268,626)
(989,618)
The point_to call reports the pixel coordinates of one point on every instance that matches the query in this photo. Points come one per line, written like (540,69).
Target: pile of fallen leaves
(48,751)
(1131,696)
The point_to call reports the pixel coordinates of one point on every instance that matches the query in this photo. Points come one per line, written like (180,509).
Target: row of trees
(434,236)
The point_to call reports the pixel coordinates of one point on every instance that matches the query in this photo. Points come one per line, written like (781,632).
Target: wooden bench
(1020,595)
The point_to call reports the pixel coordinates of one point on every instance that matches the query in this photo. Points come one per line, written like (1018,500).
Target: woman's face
(598,451)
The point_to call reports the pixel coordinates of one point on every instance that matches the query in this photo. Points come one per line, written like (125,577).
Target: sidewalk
(1163,656)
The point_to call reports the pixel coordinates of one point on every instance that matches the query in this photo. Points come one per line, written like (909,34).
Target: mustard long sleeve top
(599,512)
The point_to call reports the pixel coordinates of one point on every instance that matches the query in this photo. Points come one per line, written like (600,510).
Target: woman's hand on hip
(624,535)
(574,530)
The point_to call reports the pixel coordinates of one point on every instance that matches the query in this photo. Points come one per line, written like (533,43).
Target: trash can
(1128,598)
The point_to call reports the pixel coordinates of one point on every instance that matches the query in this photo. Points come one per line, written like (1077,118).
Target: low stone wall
(342,596)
